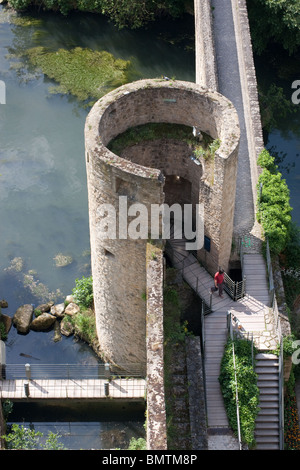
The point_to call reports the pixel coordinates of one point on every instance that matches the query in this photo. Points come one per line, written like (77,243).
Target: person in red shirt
(219,281)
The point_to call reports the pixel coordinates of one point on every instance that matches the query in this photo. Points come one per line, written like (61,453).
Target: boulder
(43,322)
(7,322)
(66,327)
(58,310)
(3,303)
(69,299)
(57,333)
(72,309)
(22,318)
(43,308)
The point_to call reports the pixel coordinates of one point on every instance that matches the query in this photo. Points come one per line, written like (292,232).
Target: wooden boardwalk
(96,389)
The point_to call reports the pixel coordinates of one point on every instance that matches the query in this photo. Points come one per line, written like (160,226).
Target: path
(252,315)
(127,389)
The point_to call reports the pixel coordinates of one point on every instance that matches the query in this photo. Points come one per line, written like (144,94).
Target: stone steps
(267,432)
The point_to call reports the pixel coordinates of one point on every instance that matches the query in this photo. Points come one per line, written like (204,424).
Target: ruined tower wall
(119,265)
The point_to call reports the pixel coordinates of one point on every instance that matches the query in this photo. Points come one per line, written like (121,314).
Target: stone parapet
(206,67)
(156,411)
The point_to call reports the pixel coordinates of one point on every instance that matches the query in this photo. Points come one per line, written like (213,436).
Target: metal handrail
(281,398)
(175,257)
(231,334)
(235,289)
(237,401)
(203,355)
(274,307)
(71,371)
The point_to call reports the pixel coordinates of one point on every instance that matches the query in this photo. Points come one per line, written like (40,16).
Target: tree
(275,21)
(22,438)
(124,13)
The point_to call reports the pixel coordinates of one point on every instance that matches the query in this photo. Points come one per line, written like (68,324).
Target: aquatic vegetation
(38,289)
(62,260)
(84,73)
(16,265)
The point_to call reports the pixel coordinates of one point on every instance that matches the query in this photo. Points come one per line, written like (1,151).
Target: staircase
(267,428)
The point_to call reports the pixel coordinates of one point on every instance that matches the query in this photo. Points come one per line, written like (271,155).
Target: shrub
(83,292)
(137,444)
(248,392)
(274,206)
(23,438)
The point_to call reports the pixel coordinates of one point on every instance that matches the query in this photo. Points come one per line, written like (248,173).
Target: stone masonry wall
(118,265)
(156,411)
(206,67)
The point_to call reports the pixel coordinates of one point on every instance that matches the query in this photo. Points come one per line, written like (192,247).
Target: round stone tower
(146,174)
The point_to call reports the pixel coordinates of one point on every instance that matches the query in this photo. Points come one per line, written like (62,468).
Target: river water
(43,193)
(43,197)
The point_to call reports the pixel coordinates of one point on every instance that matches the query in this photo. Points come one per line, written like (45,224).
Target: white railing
(70,371)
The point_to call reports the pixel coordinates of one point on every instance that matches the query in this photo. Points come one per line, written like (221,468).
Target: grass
(155,131)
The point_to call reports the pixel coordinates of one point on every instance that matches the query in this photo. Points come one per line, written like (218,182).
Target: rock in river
(72,309)
(58,310)
(22,318)
(43,322)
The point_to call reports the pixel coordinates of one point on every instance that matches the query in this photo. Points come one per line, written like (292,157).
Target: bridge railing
(71,371)
(198,287)
(235,289)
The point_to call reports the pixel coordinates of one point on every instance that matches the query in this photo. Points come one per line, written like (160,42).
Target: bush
(23,438)
(274,207)
(137,444)
(83,292)
(124,13)
(248,392)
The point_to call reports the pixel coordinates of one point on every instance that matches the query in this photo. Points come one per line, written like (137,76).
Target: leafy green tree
(124,13)
(275,21)
(273,106)
(22,438)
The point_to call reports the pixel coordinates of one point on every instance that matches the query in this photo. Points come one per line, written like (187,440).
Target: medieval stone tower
(150,173)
